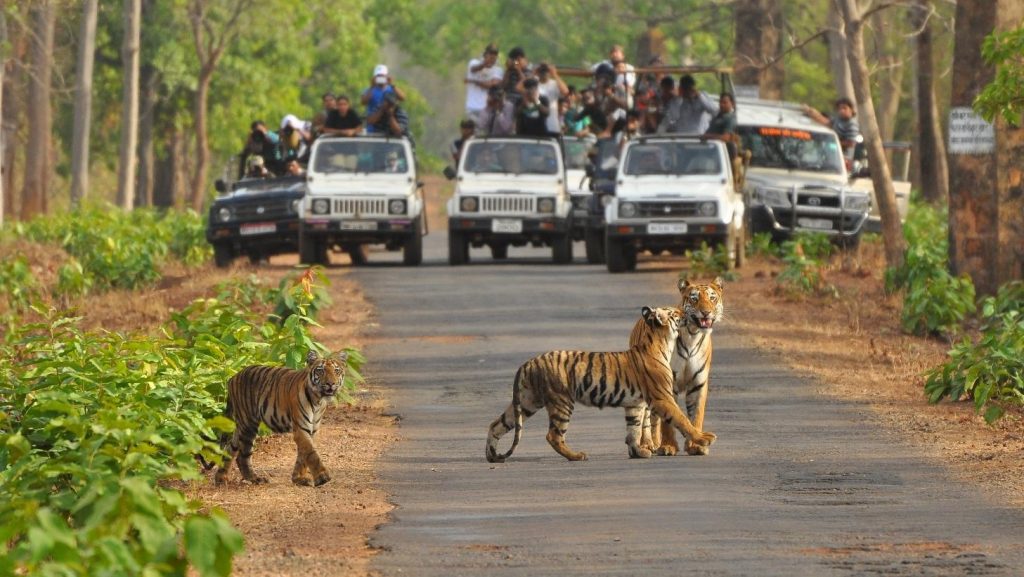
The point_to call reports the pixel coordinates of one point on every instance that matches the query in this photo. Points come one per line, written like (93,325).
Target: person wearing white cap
(296,136)
(380,86)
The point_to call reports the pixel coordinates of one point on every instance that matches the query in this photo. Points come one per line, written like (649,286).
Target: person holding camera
(389,119)
(499,118)
(263,143)
(690,112)
(295,138)
(517,68)
(381,86)
(533,110)
(481,75)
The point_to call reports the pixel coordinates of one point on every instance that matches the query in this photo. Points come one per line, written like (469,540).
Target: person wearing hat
(467,128)
(690,112)
(481,75)
(552,87)
(380,86)
(499,118)
(533,110)
(261,142)
(517,67)
(296,136)
(256,167)
(389,118)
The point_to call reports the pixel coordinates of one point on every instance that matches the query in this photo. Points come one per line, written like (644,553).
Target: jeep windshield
(672,158)
(485,156)
(339,156)
(792,149)
(576,154)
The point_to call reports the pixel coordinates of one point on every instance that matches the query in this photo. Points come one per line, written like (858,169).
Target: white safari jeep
(361,190)
(510,191)
(671,194)
(797,178)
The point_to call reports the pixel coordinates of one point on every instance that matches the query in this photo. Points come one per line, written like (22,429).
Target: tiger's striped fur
(632,379)
(702,307)
(287,400)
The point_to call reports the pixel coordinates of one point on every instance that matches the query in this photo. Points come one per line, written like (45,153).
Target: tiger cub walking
(632,379)
(286,400)
(702,308)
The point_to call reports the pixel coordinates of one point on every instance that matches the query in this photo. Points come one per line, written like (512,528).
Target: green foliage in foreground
(1004,96)
(991,369)
(98,428)
(708,262)
(111,248)
(805,257)
(935,302)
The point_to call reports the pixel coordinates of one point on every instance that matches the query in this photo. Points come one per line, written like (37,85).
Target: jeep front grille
(507,204)
(824,199)
(666,209)
(360,207)
(262,210)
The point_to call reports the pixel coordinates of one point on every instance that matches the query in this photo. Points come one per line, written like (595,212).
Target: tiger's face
(666,320)
(702,303)
(326,374)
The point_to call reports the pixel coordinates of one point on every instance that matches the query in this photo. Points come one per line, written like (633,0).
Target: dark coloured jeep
(257,217)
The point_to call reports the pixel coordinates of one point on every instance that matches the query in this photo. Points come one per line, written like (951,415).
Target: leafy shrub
(707,262)
(761,244)
(991,369)
(935,302)
(805,257)
(96,427)
(17,282)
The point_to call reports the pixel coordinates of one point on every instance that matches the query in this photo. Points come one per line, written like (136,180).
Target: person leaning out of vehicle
(343,120)
(723,127)
(390,119)
(844,123)
(263,143)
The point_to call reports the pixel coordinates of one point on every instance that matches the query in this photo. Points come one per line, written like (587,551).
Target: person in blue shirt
(381,86)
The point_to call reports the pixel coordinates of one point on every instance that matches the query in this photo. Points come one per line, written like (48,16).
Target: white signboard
(747,91)
(970,133)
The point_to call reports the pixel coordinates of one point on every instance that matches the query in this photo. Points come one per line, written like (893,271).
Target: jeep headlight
(857,202)
(627,210)
(321,206)
(708,208)
(469,204)
(396,206)
(606,199)
(772,196)
(224,214)
(296,204)
(546,205)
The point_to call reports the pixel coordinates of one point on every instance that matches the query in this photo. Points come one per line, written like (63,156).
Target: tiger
(632,379)
(702,306)
(286,400)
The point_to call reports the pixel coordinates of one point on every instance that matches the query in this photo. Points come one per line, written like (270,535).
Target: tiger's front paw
(257,479)
(668,450)
(704,439)
(303,481)
(322,478)
(640,453)
(698,450)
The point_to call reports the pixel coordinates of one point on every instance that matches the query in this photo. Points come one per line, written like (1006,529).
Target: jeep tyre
(499,250)
(458,248)
(223,255)
(619,257)
(412,252)
(561,249)
(309,249)
(356,253)
(593,241)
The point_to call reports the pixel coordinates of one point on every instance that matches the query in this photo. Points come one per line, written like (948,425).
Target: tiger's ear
(717,283)
(648,314)
(684,284)
(341,356)
(312,357)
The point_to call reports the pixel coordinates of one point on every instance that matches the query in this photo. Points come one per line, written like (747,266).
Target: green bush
(17,282)
(805,257)
(761,244)
(991,369)
(95,428)
(707,262)
(934,302)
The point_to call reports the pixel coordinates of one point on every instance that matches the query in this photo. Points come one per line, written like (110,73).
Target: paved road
(795,485)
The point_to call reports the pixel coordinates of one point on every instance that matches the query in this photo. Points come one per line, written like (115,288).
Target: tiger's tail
(517,408)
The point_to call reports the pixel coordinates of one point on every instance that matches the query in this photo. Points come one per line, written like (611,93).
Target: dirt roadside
(852,345)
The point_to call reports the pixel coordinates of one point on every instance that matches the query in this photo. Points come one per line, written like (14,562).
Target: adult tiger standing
(286,400)
(633,379)
(702,308)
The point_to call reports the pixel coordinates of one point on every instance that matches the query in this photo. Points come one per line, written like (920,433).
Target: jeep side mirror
(449,172)
(220,186)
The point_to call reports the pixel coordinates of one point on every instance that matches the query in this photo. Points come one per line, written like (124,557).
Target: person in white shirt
(551,85)
(481,75)
(625,75)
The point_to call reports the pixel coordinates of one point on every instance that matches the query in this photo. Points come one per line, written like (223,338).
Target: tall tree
(215,24)
(83,102)
(931,149)
(130,105)
(3,66)
(986,232)
(758,24)
(837,51)
(37,154)
(888,52)
(881,177)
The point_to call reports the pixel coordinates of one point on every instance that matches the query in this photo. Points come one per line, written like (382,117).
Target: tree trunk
(130,105)
(837,61)
(931,149)
(757,25)
(10,121)
(3,141)
(202,141)
(83,102)
(986,192)
(881,177)
(889,55)
(37,150)
(149,80)
(650,44)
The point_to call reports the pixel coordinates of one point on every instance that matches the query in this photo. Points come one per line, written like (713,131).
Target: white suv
(510,191)
(362,190)
(671,194)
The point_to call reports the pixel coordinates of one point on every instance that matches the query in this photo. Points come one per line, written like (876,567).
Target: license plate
(257,228)
(815,223)
(358,225)
(507,225)
(666,228)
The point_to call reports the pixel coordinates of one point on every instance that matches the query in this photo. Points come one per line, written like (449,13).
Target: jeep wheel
(458,248)
(615,255)
(223,255)
(593,241)
(307,249)
(499,251)
(356,254)
(412,252)
(561,249)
